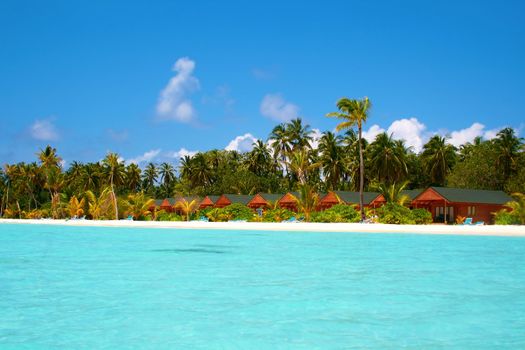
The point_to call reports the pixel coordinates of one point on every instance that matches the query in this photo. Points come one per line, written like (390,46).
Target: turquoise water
(110,288)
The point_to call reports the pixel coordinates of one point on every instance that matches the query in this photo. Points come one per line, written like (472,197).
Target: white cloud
(460,137)
(492,134)
(243,143)
(44,130)
(316,136)
(146,157)
(274,106)
(411,131)
(372,132)
(180,153)
(173,103)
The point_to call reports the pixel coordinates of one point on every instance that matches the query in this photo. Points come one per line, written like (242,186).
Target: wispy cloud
(173,103)
(275,107)
(159,156)
(242,143)
(44,130)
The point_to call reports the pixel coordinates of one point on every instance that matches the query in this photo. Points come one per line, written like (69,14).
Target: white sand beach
(484,230)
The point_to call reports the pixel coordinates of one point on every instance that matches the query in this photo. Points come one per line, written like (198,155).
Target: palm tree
(138,205)
(393,192)
(388,158)
(438,158)
(354,112)
(332,159)
(299,135)
(508,146)
(113,167)
(259,158)
(133,173)
(49,160)
(301,164)
(518,206)
(187,207)
(76,207)
(279,141)
(150,176)
(167,176)
(307,201)
(100,207)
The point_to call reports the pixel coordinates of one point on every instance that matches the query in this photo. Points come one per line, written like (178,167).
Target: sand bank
(486,230)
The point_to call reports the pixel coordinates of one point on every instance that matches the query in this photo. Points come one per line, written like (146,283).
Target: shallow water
(118,288)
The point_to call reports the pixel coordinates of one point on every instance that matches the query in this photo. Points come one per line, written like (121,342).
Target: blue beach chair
(468,221)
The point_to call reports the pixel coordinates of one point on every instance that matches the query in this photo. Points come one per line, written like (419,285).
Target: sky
(156,80)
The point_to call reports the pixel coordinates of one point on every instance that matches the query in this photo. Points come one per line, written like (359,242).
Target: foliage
(138,205)
(165,216)
(337,213)
(277,215)
(504,217)
(393,213)
(307,201)
(218,215)
(187,207)
(421,216)
(237,211)
(518,207)
(393,193)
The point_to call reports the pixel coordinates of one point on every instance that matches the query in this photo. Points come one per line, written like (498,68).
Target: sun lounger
(468,221)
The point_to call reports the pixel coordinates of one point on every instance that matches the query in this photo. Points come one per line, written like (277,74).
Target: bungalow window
(471,210)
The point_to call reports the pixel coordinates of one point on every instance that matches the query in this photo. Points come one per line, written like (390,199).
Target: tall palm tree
(299,135)
(332,159)
(393,192)
(279,141)
(388,158)
(133,173)
(113,167)
(508,146)
(259,158)
(302,164)
(167,175)
(150,176)
(354,112)
(438,158)
(49,160)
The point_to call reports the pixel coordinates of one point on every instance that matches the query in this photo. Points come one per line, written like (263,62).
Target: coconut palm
(150,176)
(258,160)
(101,206)
(518,206)
(508,146)
(114,171)
(388,158)
(302,164)
(187,207)
(332,159)
(132,176)
(49,160)
(279,141)
(307,201)
(393,192)
(75,207)
(299,135)
(354,112)
(138,205)
(438,158)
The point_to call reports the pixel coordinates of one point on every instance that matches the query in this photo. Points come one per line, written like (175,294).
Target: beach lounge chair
(468,221)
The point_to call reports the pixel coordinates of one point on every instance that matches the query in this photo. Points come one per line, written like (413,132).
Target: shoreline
(485,230)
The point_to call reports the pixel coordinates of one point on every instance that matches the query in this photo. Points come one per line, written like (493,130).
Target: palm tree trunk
(114,198)
(361,175)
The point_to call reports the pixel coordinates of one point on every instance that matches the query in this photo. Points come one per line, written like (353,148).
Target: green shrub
(393,213)
(277,215)
(165,216)
(217,215)
(504,217)
(337,213)
(421,216)
(237,211)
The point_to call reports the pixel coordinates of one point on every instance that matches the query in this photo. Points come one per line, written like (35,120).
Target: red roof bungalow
(227,199)
(263,200)
(288,201)
(380,200)
(446,204)
(207,202)
(346,197)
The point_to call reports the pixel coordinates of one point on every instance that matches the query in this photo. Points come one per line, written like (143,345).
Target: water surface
(118,288)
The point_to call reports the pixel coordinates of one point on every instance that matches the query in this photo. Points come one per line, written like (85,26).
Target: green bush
(337,213)
(393,213)
(165,216)
(237,211)
(277,215)
(218,215)
(504,217)
(422,216)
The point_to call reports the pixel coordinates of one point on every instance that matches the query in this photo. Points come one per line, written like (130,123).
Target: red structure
(289,201)
(446,204)
(208,202)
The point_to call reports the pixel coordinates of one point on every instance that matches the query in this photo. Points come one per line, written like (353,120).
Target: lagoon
(107,288)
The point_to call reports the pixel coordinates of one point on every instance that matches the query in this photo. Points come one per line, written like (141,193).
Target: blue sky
(95,76)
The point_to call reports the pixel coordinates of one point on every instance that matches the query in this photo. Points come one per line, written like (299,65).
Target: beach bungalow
(264,200)
(446,204)
(288,201)
(411,194)
(167,205)
(207,202)
(227,199)
(346,197)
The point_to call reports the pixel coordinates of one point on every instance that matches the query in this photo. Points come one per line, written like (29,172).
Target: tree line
(286,161)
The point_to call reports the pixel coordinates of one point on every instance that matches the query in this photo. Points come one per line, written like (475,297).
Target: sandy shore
(488,230)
